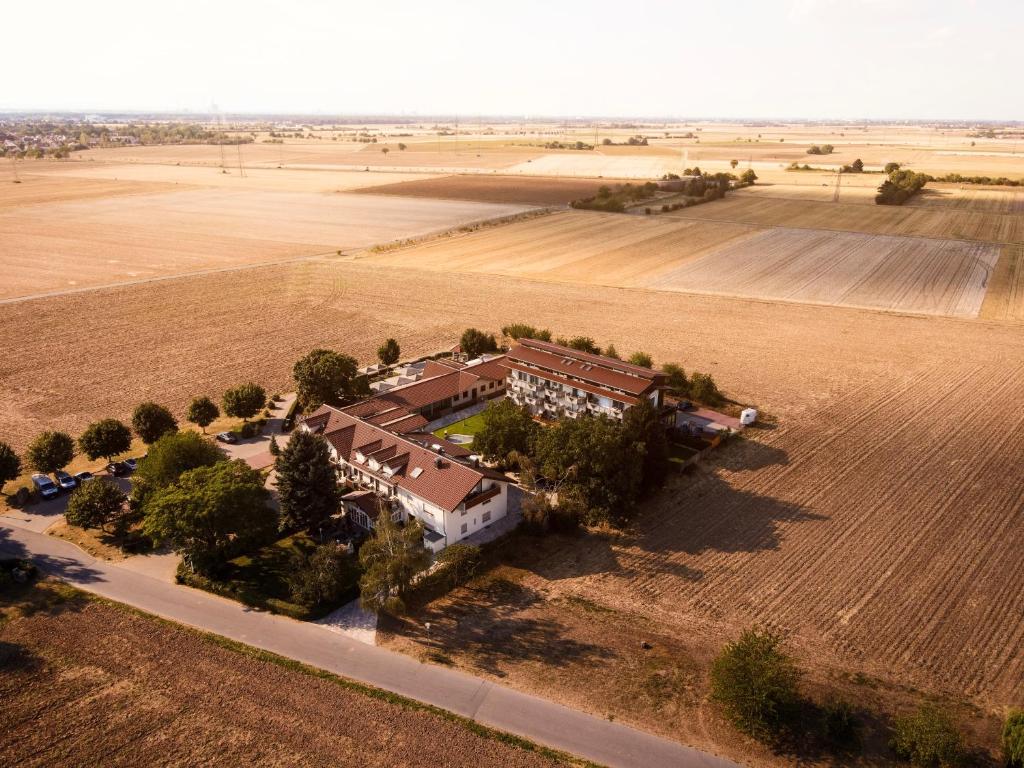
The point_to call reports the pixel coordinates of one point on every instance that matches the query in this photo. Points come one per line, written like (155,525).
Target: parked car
(227,437)
(684,405)
(65,481)
(84,477)
(118,468)
(46,487)
(132,464)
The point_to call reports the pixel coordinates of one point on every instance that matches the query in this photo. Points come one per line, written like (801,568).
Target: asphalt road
(539,720)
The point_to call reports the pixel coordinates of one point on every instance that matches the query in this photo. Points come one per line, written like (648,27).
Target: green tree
(202,411)
(612,352)
(704,389)
(389,352)
(857,166)
(324,376)
(401,146)
(734,163)
(748,176)
(756,684)
(96,504)
(642,359)
(10,465)
(169,457)
(390,559)
(475,342)
(507,427)
(244,401)
(517,331)
(593,457)
(890,167)
(581,343)
(644,430)
(322,577)
(209,512)
(105,438)
(1013,738)
(151,421)
(927,738)
(677,382)
(307,482)
(50,451)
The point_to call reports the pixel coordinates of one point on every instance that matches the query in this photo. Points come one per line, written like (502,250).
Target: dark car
(227,437)
(84,477)
(118,468)
(132,464)
(65,481)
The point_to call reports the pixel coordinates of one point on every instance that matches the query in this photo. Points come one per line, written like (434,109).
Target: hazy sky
(729,58)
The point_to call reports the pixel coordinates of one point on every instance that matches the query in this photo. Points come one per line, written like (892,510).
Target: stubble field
(87,683)
(494,189)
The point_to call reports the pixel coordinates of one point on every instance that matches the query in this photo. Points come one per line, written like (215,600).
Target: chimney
(438,462)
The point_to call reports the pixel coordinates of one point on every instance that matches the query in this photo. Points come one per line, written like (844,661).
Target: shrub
(459,563)
(323,577)
(703,387)
(755,682)
(475,342)
(1013,738)
(928,738)
(642,359)
(244,401)
(839,725)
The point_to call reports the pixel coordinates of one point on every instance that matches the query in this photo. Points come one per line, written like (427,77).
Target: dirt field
(946,277)
(934,277)
(87,683)
(1004,299)
(494,189)
(133,237)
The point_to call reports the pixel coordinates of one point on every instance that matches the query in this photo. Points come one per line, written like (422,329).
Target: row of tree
(900,187)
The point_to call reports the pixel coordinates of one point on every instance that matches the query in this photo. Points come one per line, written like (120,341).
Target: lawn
(468,426)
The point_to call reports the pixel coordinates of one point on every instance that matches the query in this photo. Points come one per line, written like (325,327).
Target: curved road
(534,718)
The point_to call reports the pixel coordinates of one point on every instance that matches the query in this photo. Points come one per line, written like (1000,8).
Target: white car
(65,481)
(46,487)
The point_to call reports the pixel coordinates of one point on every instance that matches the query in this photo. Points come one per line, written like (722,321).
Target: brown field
(90,683)
(729,257)
(911,220)
(1004,299)
(134,237)
(494,189)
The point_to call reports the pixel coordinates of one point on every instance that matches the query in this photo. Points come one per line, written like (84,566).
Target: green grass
(468,426)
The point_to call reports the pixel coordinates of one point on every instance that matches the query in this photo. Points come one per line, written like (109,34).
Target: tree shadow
(66,568)
(490,626)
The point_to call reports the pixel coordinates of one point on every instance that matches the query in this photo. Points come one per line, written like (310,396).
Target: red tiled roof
(582,385)
(446,486)
(602,371)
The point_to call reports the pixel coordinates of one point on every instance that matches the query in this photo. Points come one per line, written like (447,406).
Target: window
(464,528)
(486,517)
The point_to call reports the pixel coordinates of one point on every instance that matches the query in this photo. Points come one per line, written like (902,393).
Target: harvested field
(913,220)
(42,189)
(1004,299)
(600,248)
(972,198)
(495,189)
(90,683)
(105,241)
(934,277)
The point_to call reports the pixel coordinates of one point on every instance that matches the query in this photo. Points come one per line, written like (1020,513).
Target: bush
(928,738)
(840,725)
(703,388)
(755,683)
(1013,738)
(324,577)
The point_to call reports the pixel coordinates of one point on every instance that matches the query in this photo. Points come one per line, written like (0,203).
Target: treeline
(994,181)
(567,145)
(615,199)
(900,187)
(823,149)
(632,141)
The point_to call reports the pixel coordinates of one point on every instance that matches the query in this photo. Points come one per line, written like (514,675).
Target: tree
(704,388)
(677,382)
(307,482)
(748,176)
(581,343)
(507,427)
(385,150)
(95,504)
(401,146)
(517,331)
(50,451)
(151,421)
(1013,738)
(105,438)
(644,430)
(642,359)
(755,682)
(324,376)
(211,511)
(611,352)
(390,559)
(274,448)
(475,342)
(10,465)
(890,167)
(389,352)
(244,401)
(734,163)
(202,411)
(857,166)
(927,738)
(323,576)
(592,456)
(169,457)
